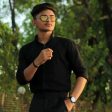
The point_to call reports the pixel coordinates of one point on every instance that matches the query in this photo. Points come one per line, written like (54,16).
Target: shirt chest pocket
(30,56)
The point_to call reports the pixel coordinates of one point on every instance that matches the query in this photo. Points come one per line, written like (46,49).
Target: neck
(43,37)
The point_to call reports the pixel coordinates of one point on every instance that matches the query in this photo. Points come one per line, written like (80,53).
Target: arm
(45,55)
(77,66)
(31,70)
(26,72)
(77,90)
(79,86)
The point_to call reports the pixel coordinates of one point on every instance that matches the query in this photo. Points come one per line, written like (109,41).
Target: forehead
(47,12)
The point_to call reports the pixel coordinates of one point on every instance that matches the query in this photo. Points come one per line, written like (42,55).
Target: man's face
(45,20)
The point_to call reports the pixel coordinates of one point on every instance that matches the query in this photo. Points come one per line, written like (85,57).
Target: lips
(48,25)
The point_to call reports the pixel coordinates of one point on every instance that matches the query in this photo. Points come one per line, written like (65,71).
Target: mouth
(49,25)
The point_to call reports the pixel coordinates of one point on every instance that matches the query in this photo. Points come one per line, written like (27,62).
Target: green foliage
(28,34)
(24,5)
(83,24)
(79,22)
(7,59)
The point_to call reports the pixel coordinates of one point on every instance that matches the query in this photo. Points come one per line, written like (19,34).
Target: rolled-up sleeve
(75,61)
(22,65)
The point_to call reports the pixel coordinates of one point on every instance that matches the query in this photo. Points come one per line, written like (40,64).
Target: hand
(69,105)
(45,55)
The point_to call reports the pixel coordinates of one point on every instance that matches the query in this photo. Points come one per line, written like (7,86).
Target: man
(46,64)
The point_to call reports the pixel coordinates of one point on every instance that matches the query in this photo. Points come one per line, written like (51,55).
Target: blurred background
(87,22)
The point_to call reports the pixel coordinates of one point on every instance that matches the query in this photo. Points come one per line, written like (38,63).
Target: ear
(33,22)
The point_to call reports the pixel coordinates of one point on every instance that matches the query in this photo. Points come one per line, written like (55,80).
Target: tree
(7,62)
(81,21)
(107,19)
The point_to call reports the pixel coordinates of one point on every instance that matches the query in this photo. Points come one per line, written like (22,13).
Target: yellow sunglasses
(45,18)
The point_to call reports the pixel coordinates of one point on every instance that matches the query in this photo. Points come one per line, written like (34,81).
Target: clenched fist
(45,55)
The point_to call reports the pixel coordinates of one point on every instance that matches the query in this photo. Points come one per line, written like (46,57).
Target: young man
(46,64)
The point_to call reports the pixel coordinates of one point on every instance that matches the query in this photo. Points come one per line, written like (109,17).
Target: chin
(46,30)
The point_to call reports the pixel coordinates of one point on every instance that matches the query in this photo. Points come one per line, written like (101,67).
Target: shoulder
(27,46)
(65,41)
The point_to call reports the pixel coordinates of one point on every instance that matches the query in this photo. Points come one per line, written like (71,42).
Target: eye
(52,18)
(43,17)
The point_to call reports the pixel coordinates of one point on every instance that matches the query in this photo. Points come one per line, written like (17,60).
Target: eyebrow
(47,15)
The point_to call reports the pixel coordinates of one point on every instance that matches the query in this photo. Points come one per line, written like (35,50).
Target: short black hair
(40,7)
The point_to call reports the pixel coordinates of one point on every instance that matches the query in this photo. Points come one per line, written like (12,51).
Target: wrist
(69,104)
(35,65)
(72,99)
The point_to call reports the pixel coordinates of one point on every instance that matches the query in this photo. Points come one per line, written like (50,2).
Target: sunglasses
(45,18)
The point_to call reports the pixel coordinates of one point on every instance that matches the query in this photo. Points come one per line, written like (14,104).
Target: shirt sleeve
(75,60)
(22,65)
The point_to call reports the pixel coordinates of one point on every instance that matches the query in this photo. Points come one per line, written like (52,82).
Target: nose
(48,19)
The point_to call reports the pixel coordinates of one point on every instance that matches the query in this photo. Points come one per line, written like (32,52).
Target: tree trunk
(14,26)
(12,9)
(107,19)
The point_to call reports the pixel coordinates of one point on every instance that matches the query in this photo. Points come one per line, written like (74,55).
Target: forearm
(29,72)
(31,69)
(45,54)
(79,87)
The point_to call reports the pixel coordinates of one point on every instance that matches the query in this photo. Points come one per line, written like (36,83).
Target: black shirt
(54,75)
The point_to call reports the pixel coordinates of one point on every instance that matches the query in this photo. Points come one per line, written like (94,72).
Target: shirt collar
(50,39)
